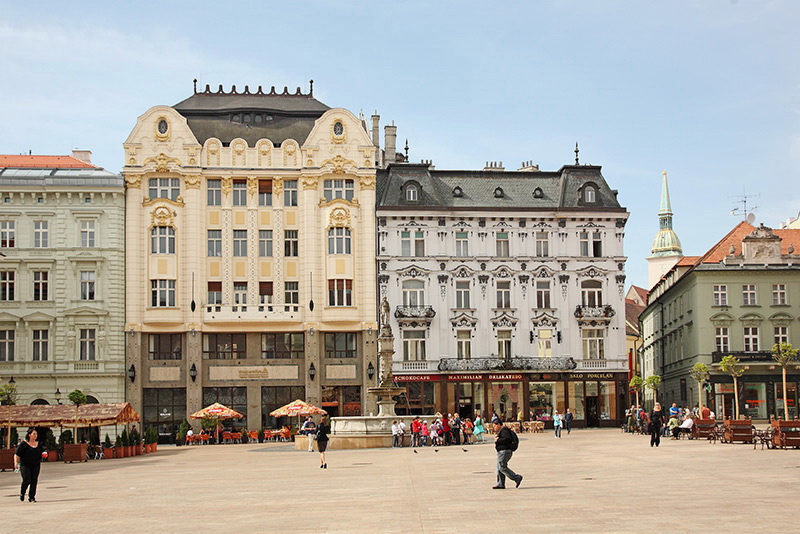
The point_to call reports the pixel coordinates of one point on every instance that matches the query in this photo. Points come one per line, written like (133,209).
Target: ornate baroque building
(62,298)
(250,256)
(507,290)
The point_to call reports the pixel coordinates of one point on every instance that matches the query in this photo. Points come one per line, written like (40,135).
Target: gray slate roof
(69,178)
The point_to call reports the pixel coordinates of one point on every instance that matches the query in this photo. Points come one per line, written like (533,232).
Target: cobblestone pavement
(589,481)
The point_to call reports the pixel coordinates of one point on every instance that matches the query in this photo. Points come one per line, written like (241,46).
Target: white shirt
(401,428)
(394,430)
(189,432)
(687,423)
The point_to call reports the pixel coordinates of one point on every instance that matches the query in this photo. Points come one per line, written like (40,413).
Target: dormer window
(588,194)
(458,192)
(412,193)
(338,128)
(498,193)
(538,193)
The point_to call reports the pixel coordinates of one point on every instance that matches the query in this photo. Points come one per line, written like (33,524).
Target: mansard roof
(31,171)
(494,189)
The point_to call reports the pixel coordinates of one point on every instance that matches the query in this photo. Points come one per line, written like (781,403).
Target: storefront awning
(64,415)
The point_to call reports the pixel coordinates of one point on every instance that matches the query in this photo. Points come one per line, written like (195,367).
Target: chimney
(83,155)
(494,166)
(390,144)
(528,166)
(376,129)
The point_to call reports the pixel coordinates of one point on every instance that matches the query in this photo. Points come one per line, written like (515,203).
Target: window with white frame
(504,344)
(240,192)
(240,243)
(214,243)
(591,244)
(413,345)
(413,293)
(265,243)
(462,294)
(169,188)
(40,339)
(504,294)
(542,293)
(781,335)
(88,344)
(779,295)
(88,280)
(8,234)
(87,234)
(593,344)
(589,194)
(464,344)
(162,293)
(265,296)
(751,339)
(409,244)
(7,285)
(749,295)
(162,240)
(7,345)
(239,296)
(291,295)
(291,243)
(721,339)
(338,189)
(265,192)
(462,244)
(290,193)
(592,293)
(720,293)
(544,337)
(340,292)
(502,245)
(339,241)
(542,245)
(214,296)
(411,193)
(41,234)
(40,285)
(214,192)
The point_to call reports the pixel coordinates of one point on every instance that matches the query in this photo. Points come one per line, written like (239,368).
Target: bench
(703,428)
(764,437)
(738,430)
(786,434)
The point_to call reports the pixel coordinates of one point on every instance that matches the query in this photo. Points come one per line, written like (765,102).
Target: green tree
(8,397)
(784,355)
(76,397)
(730,364)
(653,382)
(699,372)
(636,385)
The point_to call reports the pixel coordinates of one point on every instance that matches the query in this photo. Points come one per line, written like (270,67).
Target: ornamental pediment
(462,224)
(462,271)
(86,310)
(543,320)
(504,320)
(503,272)
(39,317)
(339,165)
(751,318)
(413,271)
(6,317)
(463,320)
(162,163)
(543,272)
(591,272)
(591,224)
(412,223)
(721,319)
(781,318)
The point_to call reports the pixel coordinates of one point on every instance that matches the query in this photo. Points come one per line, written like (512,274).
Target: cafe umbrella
(298,408)
(218,411)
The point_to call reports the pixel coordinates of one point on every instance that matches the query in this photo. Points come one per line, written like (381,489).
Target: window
(462,244)
(7,234)
(751,339)
(749,295)
(502,245)
(503,294)
(545,342)
(504,344)
(591,244)
(215,192)
(462,294)
(722,341)
(40,345)
(40,285)
(239,296)
(214,243)
(338,189)
(464,344)
(87,234)
(340,345)
(291,295)
(339,241)
(41,234)
(7,345)
(264,296)
(165,188)
(291,243)
(593,344)
(589,194)
(88,344)
(781,335)
(779,295)
(591,293)
(413,345)
(720,295)
(265,243)
(224,346)
(240,192)
(162,293)
(88,279)
(406,243)
(411,193)
(7,285)
(165,346)
(542,294)
(413,293)
(290,193)
(340,292)
(542,245)
(214,296)
(265,192)
(162,240)
(240,243)
(282,346)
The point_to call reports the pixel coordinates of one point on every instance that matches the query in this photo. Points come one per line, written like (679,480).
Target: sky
(707,90)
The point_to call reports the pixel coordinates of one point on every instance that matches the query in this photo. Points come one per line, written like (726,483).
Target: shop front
(760,396)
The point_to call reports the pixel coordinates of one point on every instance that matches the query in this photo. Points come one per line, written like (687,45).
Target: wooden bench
(738,430)
(786,434)
(703,428)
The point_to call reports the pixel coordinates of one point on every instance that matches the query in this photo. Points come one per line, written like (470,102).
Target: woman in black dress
(323,429)
(28,459)
(656,422)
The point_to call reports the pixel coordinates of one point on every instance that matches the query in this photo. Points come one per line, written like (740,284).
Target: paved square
(589,481)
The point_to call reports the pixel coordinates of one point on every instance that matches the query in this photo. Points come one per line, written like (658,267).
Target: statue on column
(385,346)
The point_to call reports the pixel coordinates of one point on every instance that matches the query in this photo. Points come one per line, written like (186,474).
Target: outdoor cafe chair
(227,437)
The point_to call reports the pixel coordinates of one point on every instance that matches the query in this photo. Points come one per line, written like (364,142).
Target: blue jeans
(503,470)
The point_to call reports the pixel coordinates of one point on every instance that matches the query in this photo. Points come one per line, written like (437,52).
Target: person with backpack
(506,442)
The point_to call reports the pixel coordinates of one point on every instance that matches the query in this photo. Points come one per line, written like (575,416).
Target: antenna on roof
(311,89)
(744,210)
(406,150)
(576,153)
(195,85)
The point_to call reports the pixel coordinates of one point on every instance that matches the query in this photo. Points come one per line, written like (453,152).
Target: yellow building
(250,246)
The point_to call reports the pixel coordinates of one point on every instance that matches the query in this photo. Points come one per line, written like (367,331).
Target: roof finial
(576,153)
(311,90)
(195,85)
(406,150)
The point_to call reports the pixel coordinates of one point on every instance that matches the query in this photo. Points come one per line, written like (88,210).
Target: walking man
(504,443)
(309,428)
(568,420)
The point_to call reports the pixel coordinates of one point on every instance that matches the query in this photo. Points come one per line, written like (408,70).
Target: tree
(8,397)
(699,372)
(730,364)
(653,382)
(77,397)
(784,354)
(636,385)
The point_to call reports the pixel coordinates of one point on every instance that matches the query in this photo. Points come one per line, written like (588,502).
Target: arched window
(91,400)
(162,240)
(40,402)
(590,195)
(339,241)
(413,293)
(592,293)
(412,193)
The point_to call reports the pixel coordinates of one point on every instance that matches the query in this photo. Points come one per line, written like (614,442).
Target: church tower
(666,251)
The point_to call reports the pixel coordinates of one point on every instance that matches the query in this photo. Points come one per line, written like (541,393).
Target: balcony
(510,364)
(744,357)
(593,315)
(414,315)
(602,365)
(415,366)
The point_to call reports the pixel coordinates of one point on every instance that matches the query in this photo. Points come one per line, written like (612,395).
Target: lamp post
(58,396)
(312,371)
(193,372)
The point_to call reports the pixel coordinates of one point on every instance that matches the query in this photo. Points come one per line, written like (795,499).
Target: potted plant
(8,397)
(51,446)
(125,444)
(108,451)
(76,452)
(119,449)
(182,430)
(153,439)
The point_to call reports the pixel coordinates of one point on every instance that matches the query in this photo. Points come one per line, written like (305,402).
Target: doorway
(465,407)
(592,412)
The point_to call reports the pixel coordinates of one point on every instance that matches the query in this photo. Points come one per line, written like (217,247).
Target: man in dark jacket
(568,420)
(502,444)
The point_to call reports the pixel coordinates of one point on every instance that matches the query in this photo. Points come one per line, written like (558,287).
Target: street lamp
(193,372)
(132,372)
(370,370)
(12,381)
(312,371)
(58,396)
